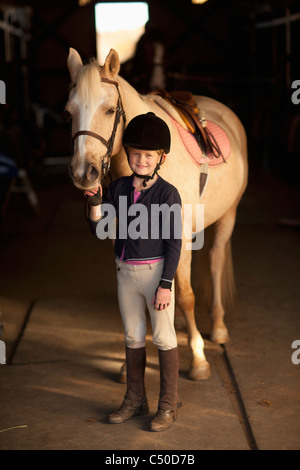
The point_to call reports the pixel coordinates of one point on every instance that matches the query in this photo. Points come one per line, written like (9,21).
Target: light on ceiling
(198,2)
(82,3)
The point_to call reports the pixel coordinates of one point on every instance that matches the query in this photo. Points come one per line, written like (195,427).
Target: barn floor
(64,339)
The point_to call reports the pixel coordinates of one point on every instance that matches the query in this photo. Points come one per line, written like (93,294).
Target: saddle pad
(195,151)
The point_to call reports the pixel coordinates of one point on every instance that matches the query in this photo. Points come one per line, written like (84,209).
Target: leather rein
(110,142)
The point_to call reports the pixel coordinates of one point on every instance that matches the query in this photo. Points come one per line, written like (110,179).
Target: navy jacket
(163,227)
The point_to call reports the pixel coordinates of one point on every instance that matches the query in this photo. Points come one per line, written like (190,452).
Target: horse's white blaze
(81,169)
(86,115)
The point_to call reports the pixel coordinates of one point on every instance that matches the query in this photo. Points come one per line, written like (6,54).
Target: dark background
(241,52)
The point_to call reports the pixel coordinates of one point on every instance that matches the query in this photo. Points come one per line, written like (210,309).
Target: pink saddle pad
(195,151)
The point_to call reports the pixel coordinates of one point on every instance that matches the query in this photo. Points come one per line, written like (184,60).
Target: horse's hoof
(122,375)
(199,372)
(219,336)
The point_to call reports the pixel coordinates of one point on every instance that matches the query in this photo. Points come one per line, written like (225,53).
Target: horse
(101,103)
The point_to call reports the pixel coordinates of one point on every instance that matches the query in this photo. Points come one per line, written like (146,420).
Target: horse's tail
(201,277)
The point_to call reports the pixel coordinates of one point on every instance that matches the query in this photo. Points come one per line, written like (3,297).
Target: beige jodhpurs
(136,288)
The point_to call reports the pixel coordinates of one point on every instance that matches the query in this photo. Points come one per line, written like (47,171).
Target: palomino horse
(97,101)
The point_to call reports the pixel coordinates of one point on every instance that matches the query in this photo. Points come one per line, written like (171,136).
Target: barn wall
(233,51)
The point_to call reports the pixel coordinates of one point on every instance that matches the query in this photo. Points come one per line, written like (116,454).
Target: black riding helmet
(147,132)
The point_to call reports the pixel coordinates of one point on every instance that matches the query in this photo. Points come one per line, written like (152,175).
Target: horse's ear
(112,63)
(74,64)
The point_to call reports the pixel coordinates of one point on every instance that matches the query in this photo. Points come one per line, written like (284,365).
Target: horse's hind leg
(220,261)
(185,300)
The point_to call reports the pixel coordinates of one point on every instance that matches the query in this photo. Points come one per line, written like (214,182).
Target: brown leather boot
(127,411)
(168,397)
(135,400)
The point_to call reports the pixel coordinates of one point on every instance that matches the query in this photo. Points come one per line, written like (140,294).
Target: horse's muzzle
(86,179)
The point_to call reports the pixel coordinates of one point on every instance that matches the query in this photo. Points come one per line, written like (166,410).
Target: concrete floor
(64,338)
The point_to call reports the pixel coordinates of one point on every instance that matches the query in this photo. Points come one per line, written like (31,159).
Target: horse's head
(95,107)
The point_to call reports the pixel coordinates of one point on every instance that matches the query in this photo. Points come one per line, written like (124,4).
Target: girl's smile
(143,162)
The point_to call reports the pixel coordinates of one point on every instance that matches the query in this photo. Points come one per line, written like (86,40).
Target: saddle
(187,108)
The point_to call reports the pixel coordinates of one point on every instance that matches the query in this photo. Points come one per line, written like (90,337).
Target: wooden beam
(278,21)
(14,30)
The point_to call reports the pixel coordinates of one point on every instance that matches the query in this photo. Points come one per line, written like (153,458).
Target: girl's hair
(159,152)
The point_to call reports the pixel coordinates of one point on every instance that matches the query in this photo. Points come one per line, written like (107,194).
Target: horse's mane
(88,87)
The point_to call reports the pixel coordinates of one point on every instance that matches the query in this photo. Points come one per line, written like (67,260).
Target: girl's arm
(94,202)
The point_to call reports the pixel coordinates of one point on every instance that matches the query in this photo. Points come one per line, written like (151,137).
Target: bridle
(110,142)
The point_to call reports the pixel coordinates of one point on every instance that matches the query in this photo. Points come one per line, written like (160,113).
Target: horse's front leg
(185,299)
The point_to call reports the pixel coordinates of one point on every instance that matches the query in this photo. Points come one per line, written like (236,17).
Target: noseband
(110,142)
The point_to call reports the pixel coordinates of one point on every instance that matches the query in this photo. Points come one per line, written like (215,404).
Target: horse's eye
(110,111)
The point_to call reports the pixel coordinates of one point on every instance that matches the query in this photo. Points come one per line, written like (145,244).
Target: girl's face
(143,162)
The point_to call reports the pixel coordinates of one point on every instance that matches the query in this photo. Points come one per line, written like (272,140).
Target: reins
(110,142)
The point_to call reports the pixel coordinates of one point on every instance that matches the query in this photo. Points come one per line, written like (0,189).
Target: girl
(145,268)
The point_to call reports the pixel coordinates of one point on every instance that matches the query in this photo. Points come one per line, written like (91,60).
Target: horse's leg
(185,299)
(219,251)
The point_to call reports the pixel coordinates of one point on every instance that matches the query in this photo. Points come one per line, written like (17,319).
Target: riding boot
(135,400)
(168,397)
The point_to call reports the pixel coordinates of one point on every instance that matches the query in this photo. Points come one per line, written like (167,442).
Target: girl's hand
(162,298)
(94,195)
